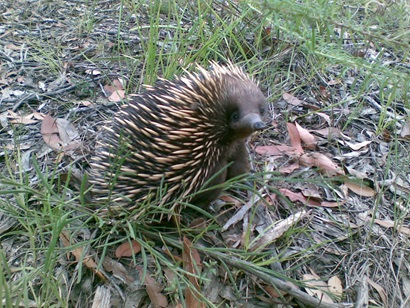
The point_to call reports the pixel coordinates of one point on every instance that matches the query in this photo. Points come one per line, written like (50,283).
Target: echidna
(179,135)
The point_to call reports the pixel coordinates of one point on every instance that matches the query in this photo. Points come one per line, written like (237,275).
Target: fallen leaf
(49,131)
(334,82)
(274,292)
(360,189)
(127,249)
(66,130)
(380,290)
(27,119)
(117,269)
(306,137)
(392,224)
(290,99)
(289,168)
(331,132)
(317,287)
(102,297)
(324,164)
(84,103)
(293,196)
(335,286)
(78,252)
(405,130)
(294,136)
(277,230)
(158,300)
(357,146)
(117,96)
(277,150)
(192,264)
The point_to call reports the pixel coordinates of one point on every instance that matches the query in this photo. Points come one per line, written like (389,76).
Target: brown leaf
(128,249)
(117,269)
(49,131)
(289,168)
(117,96)
(192,264)
(294,137)
(299,197)
(308,201)
(360,189)
(324,164)
(118,84)
(87,260)
(27,119)
(331,132)
(66,130)
(158,300)
(306,137)
(274,292)
(392,224)
(290,99)
(277,150)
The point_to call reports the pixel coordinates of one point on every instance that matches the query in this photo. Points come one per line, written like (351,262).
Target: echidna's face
(246,110)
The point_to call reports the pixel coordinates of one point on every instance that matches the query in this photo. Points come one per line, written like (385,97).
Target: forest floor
(327,223)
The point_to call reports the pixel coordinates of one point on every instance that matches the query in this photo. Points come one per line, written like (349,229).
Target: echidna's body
(168,142)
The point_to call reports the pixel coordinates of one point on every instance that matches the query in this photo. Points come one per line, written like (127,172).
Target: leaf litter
(320,186)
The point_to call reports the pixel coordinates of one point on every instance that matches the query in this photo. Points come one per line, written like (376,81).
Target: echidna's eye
(235,116)
(262,111)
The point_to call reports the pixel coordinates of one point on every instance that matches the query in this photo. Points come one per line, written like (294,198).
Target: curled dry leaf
(115,91)
(332,133)
(294,137)
(306,137)
(324,164)
(66,130)
(59,134)
(27,119)
(293,196)
(102,297)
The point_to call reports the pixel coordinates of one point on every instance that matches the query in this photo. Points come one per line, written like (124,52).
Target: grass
(297,48)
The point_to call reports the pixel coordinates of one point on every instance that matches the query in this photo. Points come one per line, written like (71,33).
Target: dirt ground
(333,174)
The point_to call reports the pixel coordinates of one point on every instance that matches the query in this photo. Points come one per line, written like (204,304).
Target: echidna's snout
(254,122)
(247,125)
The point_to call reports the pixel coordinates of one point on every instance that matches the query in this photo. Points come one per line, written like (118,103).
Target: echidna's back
(166,143)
